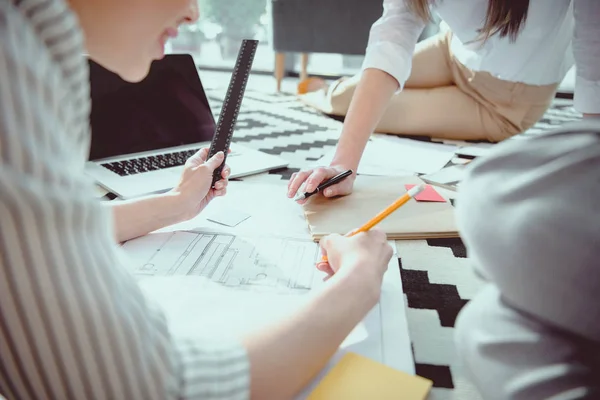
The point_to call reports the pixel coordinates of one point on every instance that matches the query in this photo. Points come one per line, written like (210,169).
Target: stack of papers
(448,178)
(223,281)
(387,155)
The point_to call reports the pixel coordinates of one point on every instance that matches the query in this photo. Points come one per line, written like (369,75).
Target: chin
(136,73)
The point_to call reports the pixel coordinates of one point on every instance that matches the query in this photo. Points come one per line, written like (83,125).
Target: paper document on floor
(215,285)
(260,263)
(393,156)
(271,212)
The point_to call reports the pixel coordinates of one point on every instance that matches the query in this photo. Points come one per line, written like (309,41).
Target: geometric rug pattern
(437,276)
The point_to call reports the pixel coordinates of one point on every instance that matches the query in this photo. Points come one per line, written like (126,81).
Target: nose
(193,13)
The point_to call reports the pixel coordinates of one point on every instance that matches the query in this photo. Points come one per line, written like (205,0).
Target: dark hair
(503,17)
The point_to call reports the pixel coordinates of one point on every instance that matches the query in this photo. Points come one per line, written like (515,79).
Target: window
(215,39)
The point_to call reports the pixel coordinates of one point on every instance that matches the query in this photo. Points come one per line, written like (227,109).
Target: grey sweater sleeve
(529,216)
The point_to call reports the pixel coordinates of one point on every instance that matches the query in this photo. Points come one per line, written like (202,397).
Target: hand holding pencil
(324,264)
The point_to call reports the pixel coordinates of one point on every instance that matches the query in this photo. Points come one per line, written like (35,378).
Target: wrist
(172,207)
(345,162)
(350,149)
(365,290)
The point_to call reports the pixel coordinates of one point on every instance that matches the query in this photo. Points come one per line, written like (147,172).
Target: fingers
(329,242)
(220,193)
(325,267)
(226,172)
(377,235)
(215,161)
(222,184)
(203,154)
(335,190)
(325,244)
(220,188)
(296,181)
(198,158)
(311,178)
(315,179)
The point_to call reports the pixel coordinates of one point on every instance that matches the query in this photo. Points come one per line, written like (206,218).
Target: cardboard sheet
(357,377)
(371,195)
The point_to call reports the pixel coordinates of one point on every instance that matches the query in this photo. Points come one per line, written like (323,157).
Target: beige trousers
(442,98)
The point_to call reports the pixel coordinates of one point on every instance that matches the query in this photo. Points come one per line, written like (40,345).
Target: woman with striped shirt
(73,323)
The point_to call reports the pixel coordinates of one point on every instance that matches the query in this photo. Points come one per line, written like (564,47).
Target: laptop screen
(168,108)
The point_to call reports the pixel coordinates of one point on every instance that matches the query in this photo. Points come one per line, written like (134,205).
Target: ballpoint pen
(332,181)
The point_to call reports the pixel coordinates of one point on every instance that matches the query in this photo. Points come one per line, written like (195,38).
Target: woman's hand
(311,178)
(362,258)
(194,191)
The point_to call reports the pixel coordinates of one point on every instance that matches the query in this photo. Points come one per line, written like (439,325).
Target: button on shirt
(556,34)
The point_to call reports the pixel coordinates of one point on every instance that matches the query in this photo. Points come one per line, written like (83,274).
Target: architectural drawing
(255,263)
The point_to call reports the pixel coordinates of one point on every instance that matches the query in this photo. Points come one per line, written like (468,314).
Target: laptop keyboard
(151,163)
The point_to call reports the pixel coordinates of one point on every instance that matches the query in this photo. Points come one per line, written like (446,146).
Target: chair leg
(303,66)
(279,69)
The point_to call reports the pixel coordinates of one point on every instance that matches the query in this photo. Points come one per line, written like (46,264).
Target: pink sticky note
(429,194)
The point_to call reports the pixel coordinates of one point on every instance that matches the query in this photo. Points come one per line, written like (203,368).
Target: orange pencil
(385,213)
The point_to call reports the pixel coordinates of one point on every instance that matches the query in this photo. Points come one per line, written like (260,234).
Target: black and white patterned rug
(436,274)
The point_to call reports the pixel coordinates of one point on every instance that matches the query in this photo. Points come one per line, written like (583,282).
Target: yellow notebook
(371,195)
(358,378)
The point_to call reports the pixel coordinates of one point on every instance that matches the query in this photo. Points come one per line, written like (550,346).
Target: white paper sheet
(387,155)
(199,307)
(259,263)
(234,297)
(271,212)
(475,150)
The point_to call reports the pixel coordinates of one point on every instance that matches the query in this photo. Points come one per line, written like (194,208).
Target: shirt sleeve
(73,322)
(586,49)
(508,354)
(392,40)
(527,213)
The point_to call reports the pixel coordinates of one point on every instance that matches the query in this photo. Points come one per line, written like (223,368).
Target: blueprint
(215,283)
(245,262)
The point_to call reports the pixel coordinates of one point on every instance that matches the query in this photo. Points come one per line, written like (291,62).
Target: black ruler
(232,103)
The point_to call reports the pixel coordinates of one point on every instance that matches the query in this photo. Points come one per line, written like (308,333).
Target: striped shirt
(73,323)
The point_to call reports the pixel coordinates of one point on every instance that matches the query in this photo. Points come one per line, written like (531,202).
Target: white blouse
(557,33)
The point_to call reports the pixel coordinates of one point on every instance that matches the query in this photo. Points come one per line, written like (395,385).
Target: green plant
(238,18)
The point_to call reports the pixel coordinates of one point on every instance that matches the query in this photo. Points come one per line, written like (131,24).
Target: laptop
(142,133)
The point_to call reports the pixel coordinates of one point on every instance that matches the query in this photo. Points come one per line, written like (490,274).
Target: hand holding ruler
(231,105)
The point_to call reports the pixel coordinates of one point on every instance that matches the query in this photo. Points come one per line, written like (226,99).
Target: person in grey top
(529,215)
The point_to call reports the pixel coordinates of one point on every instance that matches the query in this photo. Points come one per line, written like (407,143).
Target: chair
(320,26)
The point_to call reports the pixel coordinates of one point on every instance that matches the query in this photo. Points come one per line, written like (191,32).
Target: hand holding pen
(323,264)
(308,181)
(324,185)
